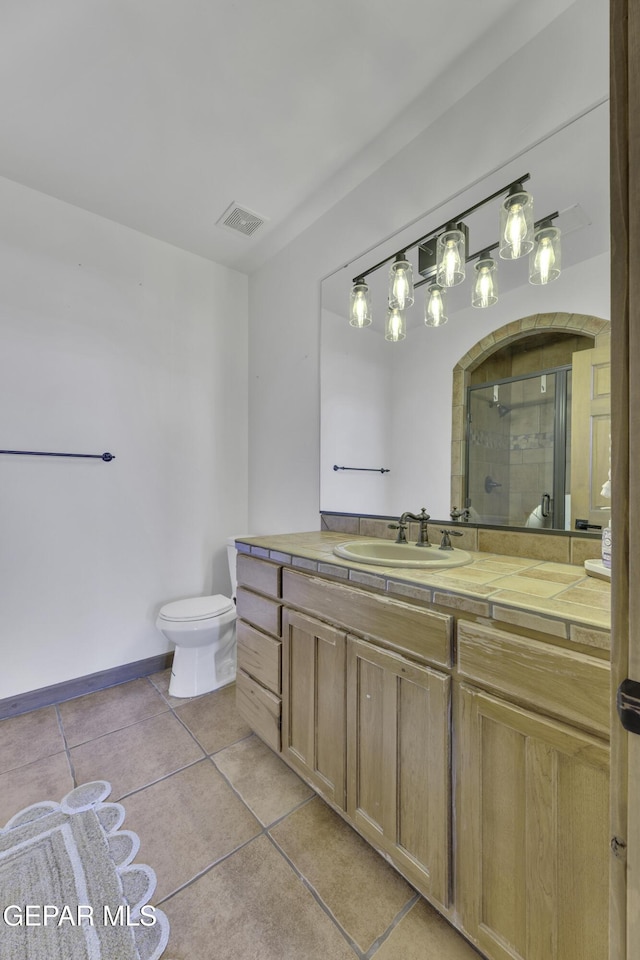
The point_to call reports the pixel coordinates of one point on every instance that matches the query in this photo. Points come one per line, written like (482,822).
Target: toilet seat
(196,608)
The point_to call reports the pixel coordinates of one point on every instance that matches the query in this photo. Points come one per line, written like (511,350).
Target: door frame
(624,922)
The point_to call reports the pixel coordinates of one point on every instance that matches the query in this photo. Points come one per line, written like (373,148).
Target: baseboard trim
(68,689)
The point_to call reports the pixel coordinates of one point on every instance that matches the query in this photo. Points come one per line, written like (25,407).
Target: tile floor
(250,863)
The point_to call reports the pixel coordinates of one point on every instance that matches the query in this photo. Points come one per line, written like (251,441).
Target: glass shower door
(516,450)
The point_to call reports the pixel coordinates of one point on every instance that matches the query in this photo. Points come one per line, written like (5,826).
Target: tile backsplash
(554,547)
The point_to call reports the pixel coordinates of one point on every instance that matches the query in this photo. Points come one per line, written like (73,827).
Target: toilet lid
(196,608)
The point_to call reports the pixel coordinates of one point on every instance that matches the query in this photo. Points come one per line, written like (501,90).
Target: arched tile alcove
(585,325)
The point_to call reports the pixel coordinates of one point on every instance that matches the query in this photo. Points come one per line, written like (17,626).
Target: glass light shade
(360,305)
(434,306)
(396,328)
(401,284)
(516,225)
(451,258)
(545,258)
(485,288)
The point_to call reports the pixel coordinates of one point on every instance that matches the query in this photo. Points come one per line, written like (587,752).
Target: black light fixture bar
(489,249)
(433,233)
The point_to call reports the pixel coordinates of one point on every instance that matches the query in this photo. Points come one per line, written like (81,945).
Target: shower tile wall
(531,445)
(489,457)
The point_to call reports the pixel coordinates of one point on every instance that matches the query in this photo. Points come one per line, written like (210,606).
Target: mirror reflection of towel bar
(364,469)
(36,453)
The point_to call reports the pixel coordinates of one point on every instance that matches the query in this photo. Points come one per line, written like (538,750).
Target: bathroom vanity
(460,725)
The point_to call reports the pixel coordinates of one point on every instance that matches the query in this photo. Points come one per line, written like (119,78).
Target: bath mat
(68,887)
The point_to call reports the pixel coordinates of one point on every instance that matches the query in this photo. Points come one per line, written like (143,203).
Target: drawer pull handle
(628,704)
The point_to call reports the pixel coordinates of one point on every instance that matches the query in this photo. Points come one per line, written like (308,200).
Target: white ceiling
(160,113)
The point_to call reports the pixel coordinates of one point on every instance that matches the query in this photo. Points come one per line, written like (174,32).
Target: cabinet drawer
(570,685)
(260,708)
(259,575)
(259,611)
(259,656)
(419,632)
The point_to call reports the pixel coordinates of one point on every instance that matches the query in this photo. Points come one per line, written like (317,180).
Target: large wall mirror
(480,413)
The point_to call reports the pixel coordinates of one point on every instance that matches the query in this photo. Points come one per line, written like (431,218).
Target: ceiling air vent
(241,220)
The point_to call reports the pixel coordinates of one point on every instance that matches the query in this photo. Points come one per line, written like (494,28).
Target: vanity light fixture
(443,254)
(396,327)
(545,258)
(516,223)
(485,287)
(434,306)
(401,293)
(360,305)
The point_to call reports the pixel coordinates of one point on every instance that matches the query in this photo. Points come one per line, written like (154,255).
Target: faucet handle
(401,528)
(445,543)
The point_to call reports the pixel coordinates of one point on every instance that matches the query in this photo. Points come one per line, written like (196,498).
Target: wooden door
(625,362)
(398,743)
(313,702)
(590,435)
(532,861)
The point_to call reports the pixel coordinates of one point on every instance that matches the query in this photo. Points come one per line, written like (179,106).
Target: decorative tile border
(461,601)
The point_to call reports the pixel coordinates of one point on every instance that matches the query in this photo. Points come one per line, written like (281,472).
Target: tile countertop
(554,598)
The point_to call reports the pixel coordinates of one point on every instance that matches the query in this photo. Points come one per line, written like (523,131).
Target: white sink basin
(386,553)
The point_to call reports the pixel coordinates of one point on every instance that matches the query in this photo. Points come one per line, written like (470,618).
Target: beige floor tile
(263,780)
(46,779)
(29,737)
(424,935)
(86,718)
(251,905)
(360,889)
(137,755)
(214,720)
(187,822)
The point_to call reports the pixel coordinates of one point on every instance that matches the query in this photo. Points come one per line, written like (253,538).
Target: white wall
(556,76)
(111,341)
(357,407)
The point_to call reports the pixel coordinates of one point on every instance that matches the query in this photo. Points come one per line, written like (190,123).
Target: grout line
(262,833)
(207,869)
(237,792)
(214,753)
(165,776)
(298,806)
(375,946)
(125,726)
(316,896)
(67,749)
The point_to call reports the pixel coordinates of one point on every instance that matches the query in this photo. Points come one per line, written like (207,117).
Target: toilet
(203,630)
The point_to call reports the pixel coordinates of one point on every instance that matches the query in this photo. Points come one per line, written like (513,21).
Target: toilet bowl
(203,630)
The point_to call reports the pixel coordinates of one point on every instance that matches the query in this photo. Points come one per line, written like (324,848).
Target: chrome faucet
(401,526)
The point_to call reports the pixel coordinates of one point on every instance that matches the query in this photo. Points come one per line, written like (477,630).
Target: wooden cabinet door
(532,833)
(398,762)
(313,702)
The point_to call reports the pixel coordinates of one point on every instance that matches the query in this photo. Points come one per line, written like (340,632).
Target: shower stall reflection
(518,450)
